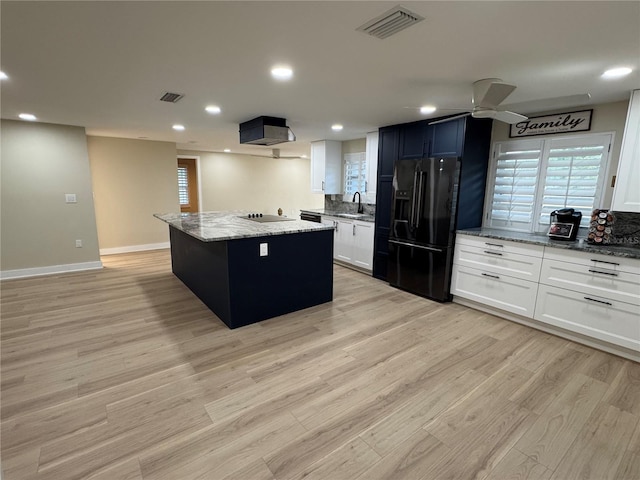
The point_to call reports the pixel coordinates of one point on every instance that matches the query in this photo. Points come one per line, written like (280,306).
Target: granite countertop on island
(542,239)
(220,226)
(363,217)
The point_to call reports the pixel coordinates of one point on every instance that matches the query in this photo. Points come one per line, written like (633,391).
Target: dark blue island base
(241,287)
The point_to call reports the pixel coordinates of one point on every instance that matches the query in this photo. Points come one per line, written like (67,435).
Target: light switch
(264,249)
(70,197)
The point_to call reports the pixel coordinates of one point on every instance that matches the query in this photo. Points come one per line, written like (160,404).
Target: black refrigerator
(423,222)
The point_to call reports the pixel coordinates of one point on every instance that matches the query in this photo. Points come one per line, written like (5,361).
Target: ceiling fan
(488,94)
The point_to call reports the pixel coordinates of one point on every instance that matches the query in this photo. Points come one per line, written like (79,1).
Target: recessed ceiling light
(617,72)
(213,109)
(226,150)
(178,127)
(28,116)
(427,109)
(337,127)
(281,72)
(3,76)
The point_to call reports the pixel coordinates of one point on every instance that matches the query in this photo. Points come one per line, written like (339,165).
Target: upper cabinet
(413,140)
(371,180)
(626,194)
(326,167)
(446,139)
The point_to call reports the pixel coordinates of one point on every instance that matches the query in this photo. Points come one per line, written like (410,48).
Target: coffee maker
(564,224)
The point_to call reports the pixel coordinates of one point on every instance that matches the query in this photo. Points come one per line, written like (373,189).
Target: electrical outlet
(264,249)
(70,198)
(78,243)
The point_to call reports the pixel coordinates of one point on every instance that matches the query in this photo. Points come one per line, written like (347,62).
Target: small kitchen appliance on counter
(564,224)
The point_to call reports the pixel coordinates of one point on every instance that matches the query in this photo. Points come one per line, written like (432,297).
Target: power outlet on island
(264,249)
(78,243)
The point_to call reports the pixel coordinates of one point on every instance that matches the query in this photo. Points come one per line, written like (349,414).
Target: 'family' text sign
(549,124)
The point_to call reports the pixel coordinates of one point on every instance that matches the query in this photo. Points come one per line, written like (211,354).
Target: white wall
(132,180)
(244,182)
(40,164)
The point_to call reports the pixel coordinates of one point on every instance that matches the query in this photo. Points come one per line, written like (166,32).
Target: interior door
(188,185)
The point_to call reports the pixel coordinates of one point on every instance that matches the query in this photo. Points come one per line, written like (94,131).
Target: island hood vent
(266,131)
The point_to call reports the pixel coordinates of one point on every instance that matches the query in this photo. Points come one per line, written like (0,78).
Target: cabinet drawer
(592,280)
(503,246)
(595,260)
(498,261)
(612,321)
(506,293)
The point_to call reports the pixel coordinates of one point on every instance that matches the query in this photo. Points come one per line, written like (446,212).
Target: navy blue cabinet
(446,139)
(467,138)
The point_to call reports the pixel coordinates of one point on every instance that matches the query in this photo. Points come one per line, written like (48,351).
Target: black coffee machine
(564,224)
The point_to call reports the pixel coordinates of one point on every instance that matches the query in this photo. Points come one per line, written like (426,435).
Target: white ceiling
(104,65)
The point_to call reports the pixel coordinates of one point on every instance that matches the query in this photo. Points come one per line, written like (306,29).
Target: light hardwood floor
(123,374)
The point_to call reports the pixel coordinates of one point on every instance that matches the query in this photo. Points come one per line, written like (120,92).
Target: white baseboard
(50,270)
(134,248)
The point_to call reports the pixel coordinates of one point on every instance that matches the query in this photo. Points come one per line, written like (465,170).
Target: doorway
(188,184)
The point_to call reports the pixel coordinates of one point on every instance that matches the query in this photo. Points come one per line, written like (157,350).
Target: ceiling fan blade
(494,95)
(443,120)
(545,104)
(509,117)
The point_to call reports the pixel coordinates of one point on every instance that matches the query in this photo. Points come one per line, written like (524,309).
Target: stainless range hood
(265,131)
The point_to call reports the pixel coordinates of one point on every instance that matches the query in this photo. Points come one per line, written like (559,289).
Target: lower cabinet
(353,241)
(590,294)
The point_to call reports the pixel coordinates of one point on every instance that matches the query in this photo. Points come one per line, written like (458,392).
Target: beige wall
(607,117)
(132,180)
(40,164)
(354,146)
(245,182)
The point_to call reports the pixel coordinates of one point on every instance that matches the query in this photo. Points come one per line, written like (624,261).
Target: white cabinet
(353,241)
(497,273)
(371,180)
(326,167)
(626,194)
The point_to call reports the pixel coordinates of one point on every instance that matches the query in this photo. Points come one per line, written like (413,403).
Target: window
(183,185)
(535,177)
(355,166)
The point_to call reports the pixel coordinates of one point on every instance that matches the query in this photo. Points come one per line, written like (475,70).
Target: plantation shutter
(183,185)
(355,165)
(516,173)
(573,176)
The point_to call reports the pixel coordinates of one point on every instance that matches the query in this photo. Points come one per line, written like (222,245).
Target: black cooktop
(258,217)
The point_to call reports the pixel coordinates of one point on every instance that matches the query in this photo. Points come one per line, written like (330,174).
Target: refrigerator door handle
(412,214)
(419,209)
(405,244)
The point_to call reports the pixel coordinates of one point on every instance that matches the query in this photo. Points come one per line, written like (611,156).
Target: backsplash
(347,207)
(626,229)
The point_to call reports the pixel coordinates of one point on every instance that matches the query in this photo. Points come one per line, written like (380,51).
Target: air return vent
(390,23)
(171,97)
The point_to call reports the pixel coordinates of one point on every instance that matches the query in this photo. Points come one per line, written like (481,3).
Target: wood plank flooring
(123,374)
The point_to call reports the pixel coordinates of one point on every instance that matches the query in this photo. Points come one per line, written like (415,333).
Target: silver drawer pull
(490,276)
(603,273)
(492,253)
(597,301)
(602,261)
(494,245)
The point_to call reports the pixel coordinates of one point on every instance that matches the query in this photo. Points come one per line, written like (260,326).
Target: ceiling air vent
(171,97)
(391,22)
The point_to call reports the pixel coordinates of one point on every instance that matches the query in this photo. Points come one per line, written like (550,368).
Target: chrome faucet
(360,208)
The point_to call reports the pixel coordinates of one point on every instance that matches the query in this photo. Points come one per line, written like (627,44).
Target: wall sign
(549,124)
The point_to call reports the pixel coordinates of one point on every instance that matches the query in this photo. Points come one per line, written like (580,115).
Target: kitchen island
(251,269)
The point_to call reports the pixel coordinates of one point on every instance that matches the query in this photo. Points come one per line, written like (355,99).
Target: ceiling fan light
(617,72)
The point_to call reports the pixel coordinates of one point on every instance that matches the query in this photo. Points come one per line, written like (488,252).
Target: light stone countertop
(220,226)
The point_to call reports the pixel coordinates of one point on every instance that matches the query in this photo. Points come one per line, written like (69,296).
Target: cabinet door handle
(492,253)
(323,185)
(597,301)
(354,229)
(603,273)
(602,261)
(336,224)
(366,184)
(494,244)
(490,276)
